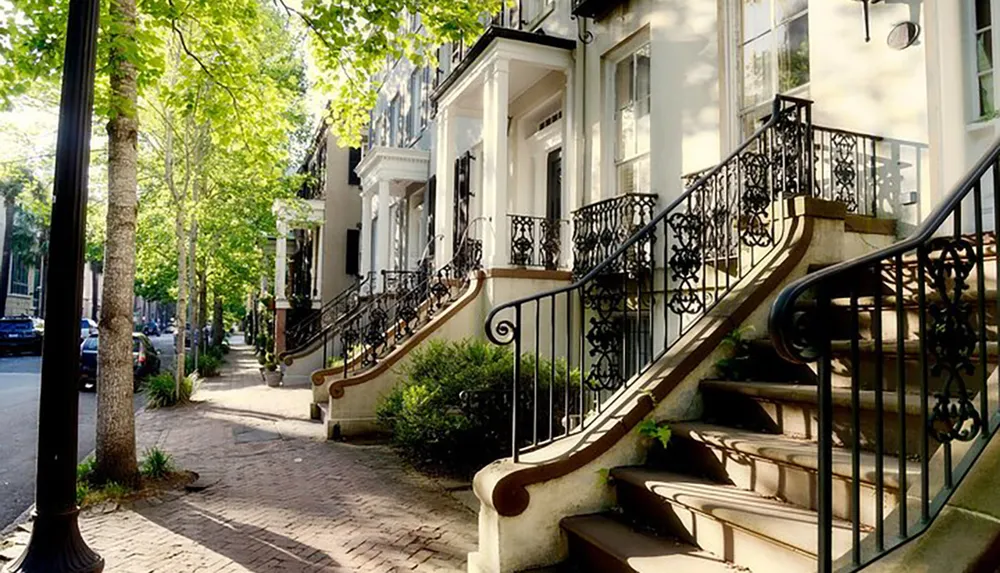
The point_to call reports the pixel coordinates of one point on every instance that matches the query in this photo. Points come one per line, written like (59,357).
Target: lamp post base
(56,546)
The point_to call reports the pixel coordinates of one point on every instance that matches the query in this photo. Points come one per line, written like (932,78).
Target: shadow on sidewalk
(257,549)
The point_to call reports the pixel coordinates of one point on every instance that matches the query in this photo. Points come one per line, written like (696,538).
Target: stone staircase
(738,490)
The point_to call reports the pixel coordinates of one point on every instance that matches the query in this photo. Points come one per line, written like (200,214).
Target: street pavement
(19,386)
(279,497)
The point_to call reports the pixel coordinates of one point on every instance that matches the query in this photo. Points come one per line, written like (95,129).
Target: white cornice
(394,164)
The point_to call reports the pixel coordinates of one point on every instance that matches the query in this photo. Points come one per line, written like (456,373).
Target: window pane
(757,71)
(784,9)
(986,107)
(623,83)
(984,51)
(633,176)
(626,132)
(793,54)
(756,18)
(982,14)
(641,73)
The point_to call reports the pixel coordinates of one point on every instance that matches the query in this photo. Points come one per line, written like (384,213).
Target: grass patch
(156,463)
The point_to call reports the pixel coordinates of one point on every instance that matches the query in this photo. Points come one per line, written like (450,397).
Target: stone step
(601,543)
(841,326)
(744,527)
(842,367)
(783,467)
(791,409)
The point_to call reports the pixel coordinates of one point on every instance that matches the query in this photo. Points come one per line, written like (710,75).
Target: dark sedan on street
(21,334)
(145,360)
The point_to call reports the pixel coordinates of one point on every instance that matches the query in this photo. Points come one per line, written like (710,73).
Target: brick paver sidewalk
(285,499)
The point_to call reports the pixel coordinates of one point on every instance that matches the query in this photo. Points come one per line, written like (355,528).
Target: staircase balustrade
(645,281)
(916,324)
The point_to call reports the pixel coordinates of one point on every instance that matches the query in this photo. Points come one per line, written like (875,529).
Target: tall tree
(116,459)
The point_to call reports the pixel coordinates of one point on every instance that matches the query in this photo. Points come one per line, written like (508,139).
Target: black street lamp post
(56,545)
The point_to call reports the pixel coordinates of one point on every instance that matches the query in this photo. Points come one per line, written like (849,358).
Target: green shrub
(737,366)
(82,491)
(335,362)
(431,420)
(160,390)
(208,365)
(156,463)
(85,470)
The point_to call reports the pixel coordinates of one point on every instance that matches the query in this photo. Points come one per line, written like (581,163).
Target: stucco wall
(342,211)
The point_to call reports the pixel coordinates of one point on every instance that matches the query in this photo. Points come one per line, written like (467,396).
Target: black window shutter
(353,252)
(353,158)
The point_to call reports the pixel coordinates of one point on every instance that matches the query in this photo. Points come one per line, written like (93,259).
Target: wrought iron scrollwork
(685,263)
(606,301)
(951,338)
(522,240)
(600,228)
(844,150)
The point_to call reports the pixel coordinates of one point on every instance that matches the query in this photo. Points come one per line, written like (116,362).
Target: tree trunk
(202,308)
(8,232)
(218,324)
(116,459)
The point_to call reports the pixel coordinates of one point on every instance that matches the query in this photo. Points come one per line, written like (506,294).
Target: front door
(463,193)
(553,185)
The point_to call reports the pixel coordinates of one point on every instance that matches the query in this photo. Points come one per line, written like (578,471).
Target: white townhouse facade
(623,185)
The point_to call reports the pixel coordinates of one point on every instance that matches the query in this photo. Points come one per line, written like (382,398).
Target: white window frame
(762,108)
(626,50)
(393,114)
(970,49)
(415,96)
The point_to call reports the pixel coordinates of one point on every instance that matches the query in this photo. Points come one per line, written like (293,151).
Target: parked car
(21,334)
(145,360)
(87,327)
(151,329)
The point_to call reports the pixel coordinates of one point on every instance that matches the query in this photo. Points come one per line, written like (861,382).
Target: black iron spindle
(902,332)
(984,403)
(855,428)
(879,414)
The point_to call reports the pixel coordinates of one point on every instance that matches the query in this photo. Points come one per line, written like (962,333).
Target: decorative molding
(394,163)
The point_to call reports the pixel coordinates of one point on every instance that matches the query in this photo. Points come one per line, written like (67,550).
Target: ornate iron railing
(508,17)
(535,241)
(655,283)
(846,169)
(304,333)
(917,322)
(393,315)
(600,228)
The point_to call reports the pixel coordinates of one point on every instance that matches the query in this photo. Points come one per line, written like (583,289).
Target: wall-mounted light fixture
(864,8)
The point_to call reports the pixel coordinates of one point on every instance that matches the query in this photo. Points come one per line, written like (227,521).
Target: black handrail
(308,331)
(936,277)
(712,235)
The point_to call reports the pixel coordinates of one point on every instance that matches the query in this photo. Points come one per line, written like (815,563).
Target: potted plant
(272,376)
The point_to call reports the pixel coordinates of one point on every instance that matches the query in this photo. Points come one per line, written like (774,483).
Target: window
(774,51)
(631,85)
(983,26)
(19,268)
(394,132)
(425,98)
(353,159)
(353,248)
(535,10)
(414,109)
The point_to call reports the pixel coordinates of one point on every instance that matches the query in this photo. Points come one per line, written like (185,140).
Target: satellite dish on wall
(903,35)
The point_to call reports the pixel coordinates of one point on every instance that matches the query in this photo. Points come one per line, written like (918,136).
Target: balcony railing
(535,241)
(509,18)
(594,8)
(601,227)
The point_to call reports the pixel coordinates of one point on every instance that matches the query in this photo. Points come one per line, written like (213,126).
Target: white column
(280,262)
(495,164)
(383,231)
(366,232)
(570,188)
(445,191)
